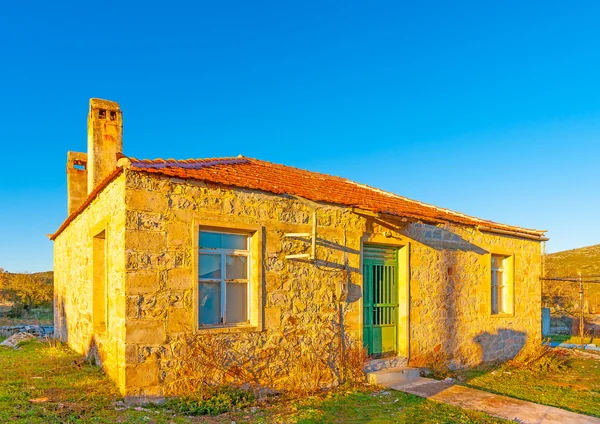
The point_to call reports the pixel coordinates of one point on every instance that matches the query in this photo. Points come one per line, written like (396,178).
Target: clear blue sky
(487,108)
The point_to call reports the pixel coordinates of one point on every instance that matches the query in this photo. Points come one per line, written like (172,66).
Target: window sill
(503,315)
(226,328)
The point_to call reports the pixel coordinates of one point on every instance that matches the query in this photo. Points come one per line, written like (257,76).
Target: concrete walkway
(492,404)
(586,346)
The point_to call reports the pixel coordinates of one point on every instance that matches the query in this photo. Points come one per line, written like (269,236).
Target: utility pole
(580,308)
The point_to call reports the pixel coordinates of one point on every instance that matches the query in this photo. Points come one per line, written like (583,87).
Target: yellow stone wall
(73,279)
(449,314)
(154,272)
(161,222)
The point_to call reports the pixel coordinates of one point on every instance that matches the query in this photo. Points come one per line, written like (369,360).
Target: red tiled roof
(87,201)
(279,179)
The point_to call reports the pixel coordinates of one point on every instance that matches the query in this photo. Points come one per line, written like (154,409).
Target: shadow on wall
(93,352)
(351,292)
(60,321)
(303,246)
(505,344)
(450,270)
(439,238)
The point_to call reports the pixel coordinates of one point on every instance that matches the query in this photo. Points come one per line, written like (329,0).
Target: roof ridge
(171,160)
(251,159)
(186,163)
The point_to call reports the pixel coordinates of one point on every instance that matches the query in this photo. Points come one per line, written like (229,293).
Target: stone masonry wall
(451,296)
(160,276)
(449,278)
(73,279)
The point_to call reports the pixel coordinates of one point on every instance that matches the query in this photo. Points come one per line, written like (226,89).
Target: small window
(99,282)
(501,285)
(223,278)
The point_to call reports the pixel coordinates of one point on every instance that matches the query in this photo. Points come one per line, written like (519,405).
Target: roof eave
(538,236)
(87,202)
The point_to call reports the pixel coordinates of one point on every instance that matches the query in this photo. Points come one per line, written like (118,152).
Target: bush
(435,365)
(298,361)
(539,357)
(213,402)
(17,311)
(26,290)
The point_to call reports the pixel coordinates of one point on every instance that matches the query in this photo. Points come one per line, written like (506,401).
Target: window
(223,278)
(501,285)
(99,282)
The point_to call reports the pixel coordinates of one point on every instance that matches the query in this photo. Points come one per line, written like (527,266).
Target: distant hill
(565,295)
(569,262)
(44,275)
(25,290)
(41,276)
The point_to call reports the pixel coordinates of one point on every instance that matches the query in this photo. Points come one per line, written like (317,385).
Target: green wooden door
(380,299)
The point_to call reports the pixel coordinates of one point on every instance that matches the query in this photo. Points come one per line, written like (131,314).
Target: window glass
(223,292)
(234,241)
(237,303)
(209,298)
(209,266)
(500,300)
(209,240)
(236,267)
(497,262)
(500,294)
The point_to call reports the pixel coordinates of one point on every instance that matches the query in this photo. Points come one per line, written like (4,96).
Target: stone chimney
(77,182)
(105,140)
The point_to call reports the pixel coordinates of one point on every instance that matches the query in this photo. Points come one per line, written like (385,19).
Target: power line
(577,276)
(568,279)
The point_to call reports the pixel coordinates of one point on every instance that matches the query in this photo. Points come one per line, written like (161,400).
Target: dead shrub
(539,357)
(436,363)
(212,402)
(296,360)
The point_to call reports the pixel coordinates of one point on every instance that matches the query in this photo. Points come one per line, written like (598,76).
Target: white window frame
(499,285)
(223,280)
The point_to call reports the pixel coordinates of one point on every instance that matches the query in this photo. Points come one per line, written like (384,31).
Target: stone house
(154,250)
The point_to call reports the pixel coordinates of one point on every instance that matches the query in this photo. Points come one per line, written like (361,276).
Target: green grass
(218,401)
(74,392)
(389,406)
(36,316)
(575,339)
(576,388)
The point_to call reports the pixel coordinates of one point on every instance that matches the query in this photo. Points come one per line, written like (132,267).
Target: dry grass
(296,365)
(539,357)
(69,390)
(436,363)
(561,378)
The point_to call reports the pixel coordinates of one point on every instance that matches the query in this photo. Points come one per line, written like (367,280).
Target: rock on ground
(15,339)
(36,330)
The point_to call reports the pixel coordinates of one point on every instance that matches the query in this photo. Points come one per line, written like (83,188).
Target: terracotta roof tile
(280,179)
(87,201)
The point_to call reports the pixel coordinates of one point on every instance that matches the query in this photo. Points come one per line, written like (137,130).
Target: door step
(385,363)
(393,376)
